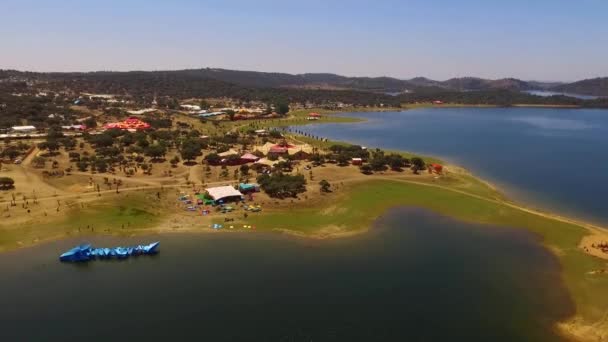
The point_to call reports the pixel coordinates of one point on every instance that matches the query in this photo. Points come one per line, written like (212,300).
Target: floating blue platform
(86,252)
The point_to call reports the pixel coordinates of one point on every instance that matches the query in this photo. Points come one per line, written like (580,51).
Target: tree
(378,161)
(275,134)
(317,159)
(174,161)
(284,165)
(155,151)
(68,143)
(231,114)
(51,145)
(6,183)
(282,107)
(39,162)
(417,164)
(127,139)
(102,140)
(101,165)
(82,165)
(108,151)
(54,133)
(244,169)
(213,158)
(395,161)
(325,186)
(74,156)
(190,149)
(366,169)
(342,159)
(90,123)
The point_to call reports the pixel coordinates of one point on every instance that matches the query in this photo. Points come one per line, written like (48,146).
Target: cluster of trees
(143,87)
(55,140)
(6,183)
(12,151)
(379,161)
(33,110)
(344,153)
(282,185)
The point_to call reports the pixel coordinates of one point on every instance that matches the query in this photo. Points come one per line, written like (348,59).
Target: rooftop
(221,192)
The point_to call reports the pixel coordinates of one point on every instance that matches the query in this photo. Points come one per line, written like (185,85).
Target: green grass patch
(134,211)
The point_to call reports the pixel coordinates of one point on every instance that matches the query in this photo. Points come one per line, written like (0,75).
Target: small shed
(357,161)
(438,168)
(248,188)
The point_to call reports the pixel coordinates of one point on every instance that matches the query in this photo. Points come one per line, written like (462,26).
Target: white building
(23,129)
(141,111)
(190,107)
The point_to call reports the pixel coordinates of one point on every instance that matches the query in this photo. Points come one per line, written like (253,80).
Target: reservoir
(548,158)
(415,276)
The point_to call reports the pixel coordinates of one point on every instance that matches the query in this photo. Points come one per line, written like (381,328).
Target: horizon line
(290,73)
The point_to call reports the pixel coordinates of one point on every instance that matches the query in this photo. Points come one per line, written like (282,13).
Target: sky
(548,40)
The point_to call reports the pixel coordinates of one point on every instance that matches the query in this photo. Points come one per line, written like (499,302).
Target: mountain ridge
(329,81)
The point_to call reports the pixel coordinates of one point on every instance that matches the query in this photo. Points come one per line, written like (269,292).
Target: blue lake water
(552,159)
(416,276)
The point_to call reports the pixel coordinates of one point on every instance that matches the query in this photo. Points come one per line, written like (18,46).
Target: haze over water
(553,159)
(415,277)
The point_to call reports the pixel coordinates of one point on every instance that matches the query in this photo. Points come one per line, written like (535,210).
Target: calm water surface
(416,277)
(555,159)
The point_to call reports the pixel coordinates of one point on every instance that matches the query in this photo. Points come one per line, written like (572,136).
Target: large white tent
(222,192)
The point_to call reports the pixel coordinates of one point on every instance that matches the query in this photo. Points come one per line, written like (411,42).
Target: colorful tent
(131,123)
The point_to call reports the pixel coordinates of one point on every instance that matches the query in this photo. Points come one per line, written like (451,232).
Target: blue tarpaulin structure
(86,252)
(248,187)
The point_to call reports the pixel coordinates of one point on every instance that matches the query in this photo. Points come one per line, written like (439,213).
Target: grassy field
(133,210)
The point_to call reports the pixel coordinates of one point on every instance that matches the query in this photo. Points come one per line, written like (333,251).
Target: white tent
(228,153)
(222,192)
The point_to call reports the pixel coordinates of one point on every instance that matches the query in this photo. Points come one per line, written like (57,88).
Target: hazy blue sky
(531,39)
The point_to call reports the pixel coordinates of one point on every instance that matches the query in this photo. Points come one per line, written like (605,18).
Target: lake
(553,159)
(415,276)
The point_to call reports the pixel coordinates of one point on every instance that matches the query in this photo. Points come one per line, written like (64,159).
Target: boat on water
(86,252)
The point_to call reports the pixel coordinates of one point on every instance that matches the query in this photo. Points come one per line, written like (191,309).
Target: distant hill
(474,83)
(308,81)
(233,81)
(329,81)
(594,86)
